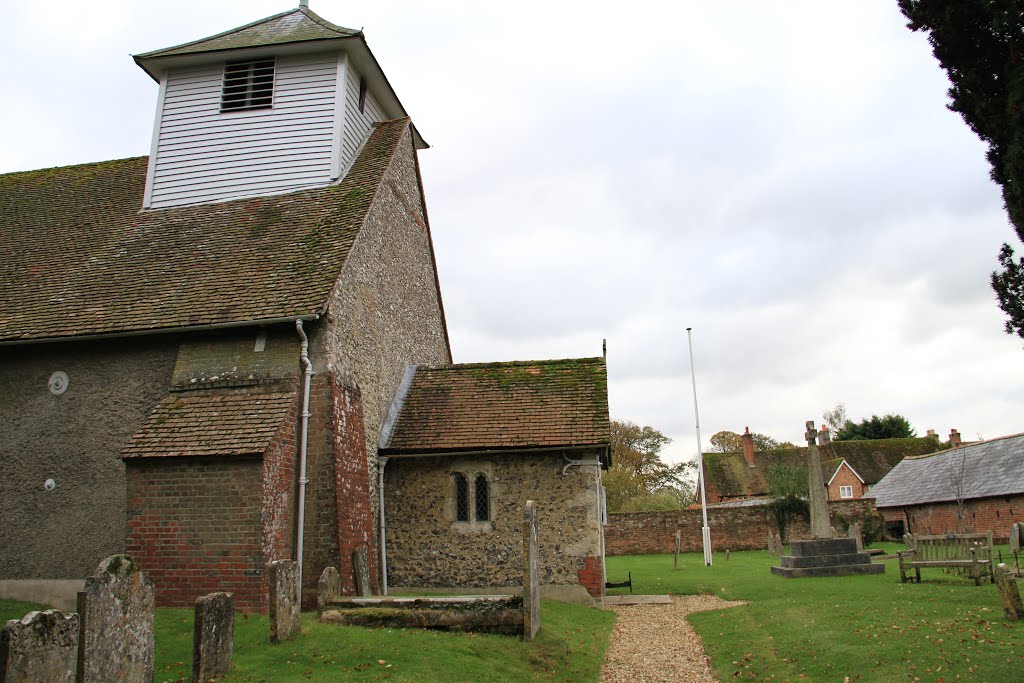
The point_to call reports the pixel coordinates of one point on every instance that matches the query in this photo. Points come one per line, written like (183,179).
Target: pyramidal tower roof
(294,26)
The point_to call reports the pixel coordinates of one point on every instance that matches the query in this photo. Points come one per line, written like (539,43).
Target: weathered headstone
(361,568)
(116,606)
(1009,593)
(820,527)
(1016,531)
(285,600)
(41,646)
(771,543)
(531,587)
(778,544)
(328,588)
(213,637)
(854,533)
(679,543)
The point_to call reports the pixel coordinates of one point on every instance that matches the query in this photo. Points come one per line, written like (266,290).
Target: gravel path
(655,643)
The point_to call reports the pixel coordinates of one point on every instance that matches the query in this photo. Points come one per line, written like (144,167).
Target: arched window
(483,498)
(461,486)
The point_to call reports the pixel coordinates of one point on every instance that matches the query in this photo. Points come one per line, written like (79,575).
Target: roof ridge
(313,16)
(511,363)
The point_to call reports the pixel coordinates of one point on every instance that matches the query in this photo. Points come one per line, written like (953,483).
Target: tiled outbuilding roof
(990,468)
(497,406)
(197,424)
(732,476)
(295,25)
(80,258)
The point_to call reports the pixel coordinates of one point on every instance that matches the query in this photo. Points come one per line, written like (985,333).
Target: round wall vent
(58,383)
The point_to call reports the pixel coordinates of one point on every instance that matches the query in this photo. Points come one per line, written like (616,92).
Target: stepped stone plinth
(826,557)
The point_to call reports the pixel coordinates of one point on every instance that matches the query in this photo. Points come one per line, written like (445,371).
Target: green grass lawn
(569,647)
(864,628)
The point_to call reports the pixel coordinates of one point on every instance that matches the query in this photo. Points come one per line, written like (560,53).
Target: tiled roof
(733,477)
(293,26)
(520,405)
(80,258)
(990,468)
(196,424)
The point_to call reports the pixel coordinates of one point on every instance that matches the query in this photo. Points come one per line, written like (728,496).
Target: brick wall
(353,507)
(845,477)
(278,493)
(194,527)
(735,528)
(996,514)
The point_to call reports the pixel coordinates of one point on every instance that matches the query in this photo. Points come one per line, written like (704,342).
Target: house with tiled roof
(203,347)
(920,495)
(465,444)
(849,468)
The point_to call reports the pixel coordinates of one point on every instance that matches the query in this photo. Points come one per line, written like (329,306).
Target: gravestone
(1016,531)
(213,637)
(328,588)
(778,544)
(41,646)
(1009,593)
(820,527)
(771,543)
(679,543)
(531,587)
(361,568)
(285,600)
(854,533)
(116,606)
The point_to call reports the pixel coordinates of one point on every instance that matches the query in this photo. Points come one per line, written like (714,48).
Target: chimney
(824,436)
(748,446)
(954,437)
(931,432)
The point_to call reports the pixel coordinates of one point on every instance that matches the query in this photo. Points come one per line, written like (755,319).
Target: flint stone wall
(116,612)
(42,646)
(426,547)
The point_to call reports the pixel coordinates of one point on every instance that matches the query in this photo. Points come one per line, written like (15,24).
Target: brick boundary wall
(735,528)
(997,514)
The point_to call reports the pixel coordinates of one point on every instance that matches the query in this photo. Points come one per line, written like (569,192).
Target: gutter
(261,322)
(307,380)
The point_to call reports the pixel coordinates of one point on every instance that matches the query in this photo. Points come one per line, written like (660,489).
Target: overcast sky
(782,177)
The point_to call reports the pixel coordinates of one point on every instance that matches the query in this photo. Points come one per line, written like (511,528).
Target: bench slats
(951,550)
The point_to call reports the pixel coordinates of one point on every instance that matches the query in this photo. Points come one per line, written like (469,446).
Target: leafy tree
(731,442)
(886,427)
(787,485)
(835,419)
(981,47)
(638,477)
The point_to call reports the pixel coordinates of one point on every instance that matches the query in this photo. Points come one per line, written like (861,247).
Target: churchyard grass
(569,647)
(853,628)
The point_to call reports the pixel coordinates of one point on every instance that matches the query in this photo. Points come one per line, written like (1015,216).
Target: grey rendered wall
(74,438)
(385,312)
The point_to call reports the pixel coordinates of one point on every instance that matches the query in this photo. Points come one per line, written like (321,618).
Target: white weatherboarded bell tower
(281,104)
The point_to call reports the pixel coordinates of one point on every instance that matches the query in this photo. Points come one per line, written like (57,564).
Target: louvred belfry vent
(248,85)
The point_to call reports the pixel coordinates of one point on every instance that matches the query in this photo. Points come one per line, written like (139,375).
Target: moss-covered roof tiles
(295,25)
(80,258)
(732,477)
(494,406)
(198,424)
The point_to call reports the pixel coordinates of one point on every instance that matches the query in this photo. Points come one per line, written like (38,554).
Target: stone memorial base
(826,557)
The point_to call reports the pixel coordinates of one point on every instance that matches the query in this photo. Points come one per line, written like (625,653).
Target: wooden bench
(968,551)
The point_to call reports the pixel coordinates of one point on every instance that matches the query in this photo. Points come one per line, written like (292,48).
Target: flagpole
(705,530)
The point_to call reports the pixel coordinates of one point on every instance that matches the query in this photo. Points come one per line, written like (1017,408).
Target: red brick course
(735,528)
(982,514)
(592,576)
